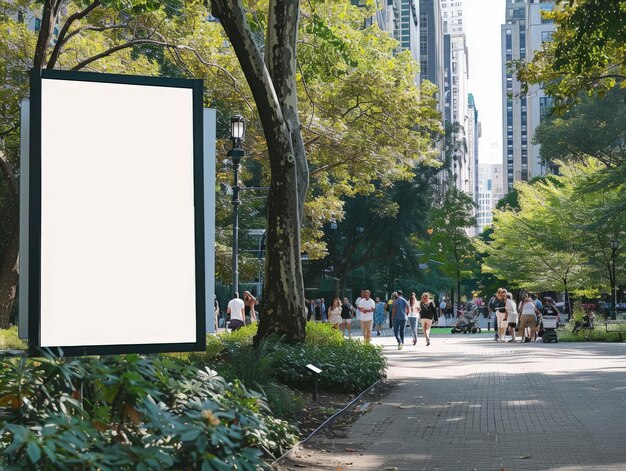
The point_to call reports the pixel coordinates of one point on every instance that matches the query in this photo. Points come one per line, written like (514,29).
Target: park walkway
(469,403)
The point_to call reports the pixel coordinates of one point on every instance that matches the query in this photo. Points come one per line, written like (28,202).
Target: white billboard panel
(120,260)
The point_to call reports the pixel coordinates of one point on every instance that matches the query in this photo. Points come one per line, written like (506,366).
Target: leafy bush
(323,333)
(349,367)
(240,337)
(597,334)
(136,413)
(10,341)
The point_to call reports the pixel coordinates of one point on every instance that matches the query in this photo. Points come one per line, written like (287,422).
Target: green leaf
(34,452)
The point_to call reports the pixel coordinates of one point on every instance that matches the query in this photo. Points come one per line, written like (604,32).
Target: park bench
(616,325)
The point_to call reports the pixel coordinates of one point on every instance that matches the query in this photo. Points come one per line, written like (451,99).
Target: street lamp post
(237,129)
(333,248)
(614,244)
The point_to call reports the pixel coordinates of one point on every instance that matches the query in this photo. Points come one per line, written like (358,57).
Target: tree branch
(165,44)
(48,18)
(62,35)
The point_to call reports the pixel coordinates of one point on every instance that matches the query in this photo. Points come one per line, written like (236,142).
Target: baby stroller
(549,324)
(465,325)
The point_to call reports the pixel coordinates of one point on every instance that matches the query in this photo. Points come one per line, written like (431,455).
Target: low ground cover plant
(134,413)
(347,365)
(220,409)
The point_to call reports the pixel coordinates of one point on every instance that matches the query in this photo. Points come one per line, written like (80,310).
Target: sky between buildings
(482,20)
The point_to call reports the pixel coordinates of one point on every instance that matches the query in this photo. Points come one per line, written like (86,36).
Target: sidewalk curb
(325,423)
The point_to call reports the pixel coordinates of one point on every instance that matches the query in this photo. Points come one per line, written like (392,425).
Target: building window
(37,24)
(545,106)
(546,36)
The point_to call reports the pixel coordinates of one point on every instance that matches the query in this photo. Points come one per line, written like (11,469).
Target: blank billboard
(116,247)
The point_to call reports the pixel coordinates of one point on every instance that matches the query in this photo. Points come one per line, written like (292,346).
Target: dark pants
(495,322)
(398,329)
(235,324)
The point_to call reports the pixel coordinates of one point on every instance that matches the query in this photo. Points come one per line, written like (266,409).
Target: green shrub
(240,337)
(10,341)
(349,367)
(597,334)
(137,413)
(323,333)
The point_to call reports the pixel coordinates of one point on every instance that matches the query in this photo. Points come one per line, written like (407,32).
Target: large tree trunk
(8,277)
(9,268)
(272,82)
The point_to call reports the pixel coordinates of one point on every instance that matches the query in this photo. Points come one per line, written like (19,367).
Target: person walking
(511,317)
(318,310)
(334,313)
(398,314)
(428,315)
(311,312)
(501,313)
(236,309)
(250,301)
(216,312)
(356,305)
(497,305)
(379,316)
(367,307)
(529,318)
(414,314)
(389,307)
(346,316)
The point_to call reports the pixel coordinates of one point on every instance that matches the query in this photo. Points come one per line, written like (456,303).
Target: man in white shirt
(236,309)
(356,305)
(366,307)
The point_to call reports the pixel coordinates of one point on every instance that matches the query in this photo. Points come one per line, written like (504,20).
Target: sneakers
(414,341)
(399,346)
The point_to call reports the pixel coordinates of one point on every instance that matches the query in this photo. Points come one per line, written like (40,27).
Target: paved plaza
(469,403)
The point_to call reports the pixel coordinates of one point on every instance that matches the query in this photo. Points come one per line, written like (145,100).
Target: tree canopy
(587,53)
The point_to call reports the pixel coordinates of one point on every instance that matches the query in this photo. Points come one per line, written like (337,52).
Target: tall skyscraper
(456,74)
(490,190)
(452,16)
(400,18)
(521,36)
(473,134)
(431,46)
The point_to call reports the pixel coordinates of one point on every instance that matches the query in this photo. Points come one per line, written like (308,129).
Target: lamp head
(614,244)
(237,128)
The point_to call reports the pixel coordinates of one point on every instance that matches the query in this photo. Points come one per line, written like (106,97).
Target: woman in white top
(334,313)
(511,316)
(414,313)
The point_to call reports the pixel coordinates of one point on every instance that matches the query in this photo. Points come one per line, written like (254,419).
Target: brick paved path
(469,403)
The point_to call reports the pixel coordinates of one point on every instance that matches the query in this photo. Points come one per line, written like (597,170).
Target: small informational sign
(116,216)
(313,368)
